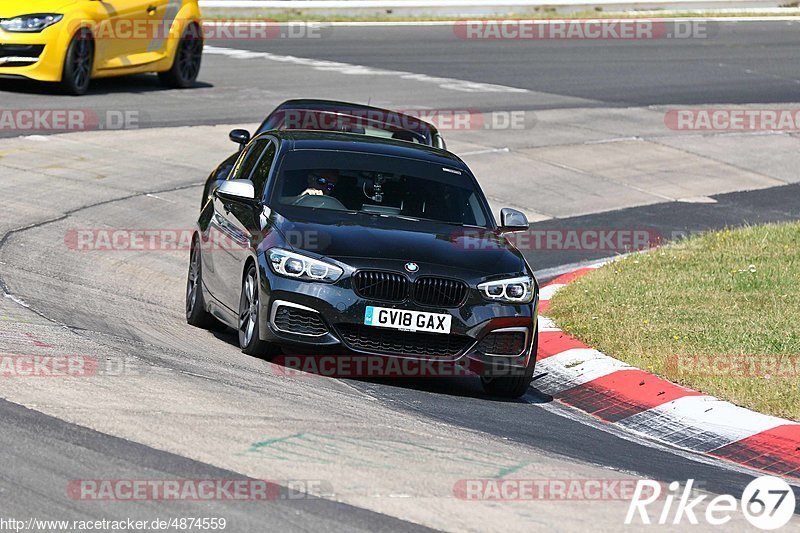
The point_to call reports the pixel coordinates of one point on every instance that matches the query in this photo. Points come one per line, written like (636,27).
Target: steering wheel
(320,201)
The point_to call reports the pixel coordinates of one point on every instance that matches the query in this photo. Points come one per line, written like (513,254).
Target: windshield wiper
(404,217)
(420,219)
(387,215)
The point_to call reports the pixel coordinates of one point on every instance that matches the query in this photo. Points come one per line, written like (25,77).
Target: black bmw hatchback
(336,243)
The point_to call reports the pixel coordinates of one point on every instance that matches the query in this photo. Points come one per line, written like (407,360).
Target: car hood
(348,236)
(14,8)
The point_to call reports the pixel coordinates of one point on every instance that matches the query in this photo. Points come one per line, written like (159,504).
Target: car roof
(343,107)
(350,142)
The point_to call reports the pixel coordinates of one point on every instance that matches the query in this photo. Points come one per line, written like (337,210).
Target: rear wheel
(196,313)
(188,57)
(78,63)
(512,382)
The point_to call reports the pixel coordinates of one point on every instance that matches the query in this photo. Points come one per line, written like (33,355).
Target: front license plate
(407,320)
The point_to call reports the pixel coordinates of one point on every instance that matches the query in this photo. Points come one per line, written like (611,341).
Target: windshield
(379,185)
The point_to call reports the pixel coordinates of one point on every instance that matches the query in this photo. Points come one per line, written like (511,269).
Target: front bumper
(36,56)
(342,312)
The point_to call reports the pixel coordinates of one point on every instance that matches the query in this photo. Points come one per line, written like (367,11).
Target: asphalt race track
(173,402)
(737,63)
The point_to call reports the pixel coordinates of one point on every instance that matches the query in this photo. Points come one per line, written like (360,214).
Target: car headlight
(293,265)
(512,290)
(30,23)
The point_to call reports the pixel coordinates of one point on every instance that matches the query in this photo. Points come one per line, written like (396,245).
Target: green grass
(731,295)
(286,15)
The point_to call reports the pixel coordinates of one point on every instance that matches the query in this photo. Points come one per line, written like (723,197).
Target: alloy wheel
(81,65)
(248,309)
(192,281)
(189,57)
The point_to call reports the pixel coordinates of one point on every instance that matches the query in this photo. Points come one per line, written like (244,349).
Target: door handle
(151,10)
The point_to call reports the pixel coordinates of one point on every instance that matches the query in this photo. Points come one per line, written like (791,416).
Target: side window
(248,161)
(261,172)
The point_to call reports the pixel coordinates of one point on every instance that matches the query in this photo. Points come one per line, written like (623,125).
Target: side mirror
(240,137)
(513,220)
(239,190)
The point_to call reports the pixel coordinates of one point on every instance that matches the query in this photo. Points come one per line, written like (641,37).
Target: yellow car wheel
(188,57)
(78,64)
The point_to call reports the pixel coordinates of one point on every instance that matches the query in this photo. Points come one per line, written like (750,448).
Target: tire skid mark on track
(4,239)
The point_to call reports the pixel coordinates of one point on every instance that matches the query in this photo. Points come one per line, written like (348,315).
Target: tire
(187,61)
(196,314)
(516,384)
(78,64)
(249,314)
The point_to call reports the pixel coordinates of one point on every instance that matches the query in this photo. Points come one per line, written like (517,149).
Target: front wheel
(515,381)
(78,64)
(188,57)
(249,310)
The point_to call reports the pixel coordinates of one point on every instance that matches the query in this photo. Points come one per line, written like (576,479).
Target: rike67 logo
(767,502)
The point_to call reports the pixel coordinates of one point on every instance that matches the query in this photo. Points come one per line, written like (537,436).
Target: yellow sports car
(72,41)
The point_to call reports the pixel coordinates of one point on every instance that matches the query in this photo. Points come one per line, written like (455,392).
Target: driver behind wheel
(321,183)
